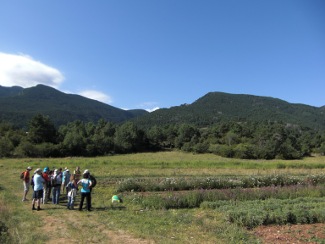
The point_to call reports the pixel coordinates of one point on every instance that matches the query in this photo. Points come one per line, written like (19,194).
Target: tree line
(245,140)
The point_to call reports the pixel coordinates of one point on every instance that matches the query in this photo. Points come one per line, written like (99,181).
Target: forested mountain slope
(18,106)
(217,106)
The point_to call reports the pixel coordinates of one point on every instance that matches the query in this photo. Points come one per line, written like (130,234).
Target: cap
(29,168)
(45,169)
(86,171)
(38,170)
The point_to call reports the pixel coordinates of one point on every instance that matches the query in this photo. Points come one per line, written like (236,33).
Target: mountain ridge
(60,107)
(219,106)
(18,105)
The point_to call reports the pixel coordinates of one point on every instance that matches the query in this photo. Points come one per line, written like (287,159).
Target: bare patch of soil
(307,233)
(58,230)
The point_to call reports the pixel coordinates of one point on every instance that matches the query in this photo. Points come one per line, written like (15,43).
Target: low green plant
(271,211)
(195,183)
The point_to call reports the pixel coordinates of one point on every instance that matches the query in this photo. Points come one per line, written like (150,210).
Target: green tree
(74,140)
(128,138)
(41,129)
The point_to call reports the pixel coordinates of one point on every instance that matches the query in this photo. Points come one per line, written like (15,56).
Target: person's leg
(69,202)
(49,189)
(26,189)
(33,201)
(53,195)
(90,196)
(45,195)
(58,194)
(81,201)
(39,199)
(88,201)
(72,203)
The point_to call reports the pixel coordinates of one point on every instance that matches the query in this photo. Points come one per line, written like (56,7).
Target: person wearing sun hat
(56,185)
(65,179)
(26,182)
(38,189)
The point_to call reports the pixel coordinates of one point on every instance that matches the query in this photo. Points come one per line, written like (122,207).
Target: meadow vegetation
(169,197)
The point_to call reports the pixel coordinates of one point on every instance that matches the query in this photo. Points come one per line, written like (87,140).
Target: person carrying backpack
(93,182)
(38,189)
(47,184)
(85,191)
(25,176)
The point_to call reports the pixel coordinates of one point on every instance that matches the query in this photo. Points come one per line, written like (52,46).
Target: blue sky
(156,54)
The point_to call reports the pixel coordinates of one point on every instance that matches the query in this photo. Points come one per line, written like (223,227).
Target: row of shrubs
(181,184)
(194,199)
(271,211)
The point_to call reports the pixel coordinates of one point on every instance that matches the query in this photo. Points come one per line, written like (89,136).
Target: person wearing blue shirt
(38,189)
(85,191)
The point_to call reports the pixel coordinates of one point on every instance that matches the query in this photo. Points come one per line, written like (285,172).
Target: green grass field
(150,216)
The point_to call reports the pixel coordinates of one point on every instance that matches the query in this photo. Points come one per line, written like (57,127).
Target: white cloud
(97,95)
(24,71)
(152,109)
(149,106)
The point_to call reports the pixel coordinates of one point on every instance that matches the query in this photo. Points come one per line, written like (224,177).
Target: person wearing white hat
(26,181)
(56,185)
(65,179)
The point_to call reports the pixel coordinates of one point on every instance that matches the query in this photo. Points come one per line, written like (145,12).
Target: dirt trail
(81,227)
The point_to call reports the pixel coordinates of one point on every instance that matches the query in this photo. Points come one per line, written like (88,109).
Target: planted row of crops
(194,199)
(248,201)
(271,211)
(195,183)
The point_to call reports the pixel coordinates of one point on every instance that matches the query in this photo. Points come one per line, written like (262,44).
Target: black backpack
(32,181)
(93,181)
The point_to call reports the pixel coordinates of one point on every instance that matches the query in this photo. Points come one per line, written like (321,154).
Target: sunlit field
(168,197)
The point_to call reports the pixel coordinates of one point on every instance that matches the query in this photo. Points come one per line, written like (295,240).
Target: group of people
(56,181)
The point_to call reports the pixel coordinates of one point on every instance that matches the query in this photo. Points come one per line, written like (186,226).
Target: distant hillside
(19,105)
(217,106)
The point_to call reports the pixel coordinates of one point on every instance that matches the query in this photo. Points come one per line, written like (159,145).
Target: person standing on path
(77,173)
(93,182)
(56,185)
(72,192)
(85,191)
(38,189)
(65,180)
(47,184)
(26,182)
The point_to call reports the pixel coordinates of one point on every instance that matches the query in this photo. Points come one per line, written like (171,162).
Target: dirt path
(72,226)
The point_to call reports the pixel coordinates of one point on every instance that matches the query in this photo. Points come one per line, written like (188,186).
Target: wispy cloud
(96,95)
(149,106)
(22,70)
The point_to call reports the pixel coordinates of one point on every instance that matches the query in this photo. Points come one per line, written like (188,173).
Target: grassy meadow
(168,197)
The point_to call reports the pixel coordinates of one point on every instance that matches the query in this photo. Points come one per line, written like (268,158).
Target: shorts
(26,186)
(38,194)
